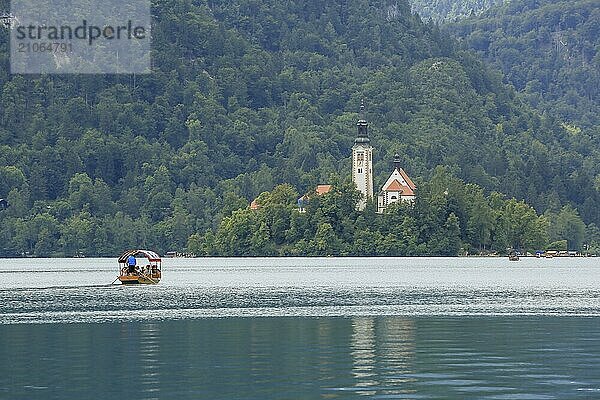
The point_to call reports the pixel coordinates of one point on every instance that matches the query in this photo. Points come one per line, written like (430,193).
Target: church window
(360,170)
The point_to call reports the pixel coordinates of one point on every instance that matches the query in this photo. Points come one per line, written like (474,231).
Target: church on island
(398,187)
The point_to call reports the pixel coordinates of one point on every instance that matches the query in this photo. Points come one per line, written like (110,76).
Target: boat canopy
(150,255)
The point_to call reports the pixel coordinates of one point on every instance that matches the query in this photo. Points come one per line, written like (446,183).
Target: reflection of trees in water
(326,342)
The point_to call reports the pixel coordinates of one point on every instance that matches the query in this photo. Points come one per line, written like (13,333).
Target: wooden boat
(149,273)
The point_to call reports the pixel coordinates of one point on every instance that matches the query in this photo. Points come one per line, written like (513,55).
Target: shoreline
(309,257)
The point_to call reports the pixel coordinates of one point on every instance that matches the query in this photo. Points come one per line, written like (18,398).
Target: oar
(147,277)
(113,282)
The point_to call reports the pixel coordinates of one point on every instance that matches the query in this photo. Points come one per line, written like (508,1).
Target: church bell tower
(362,160)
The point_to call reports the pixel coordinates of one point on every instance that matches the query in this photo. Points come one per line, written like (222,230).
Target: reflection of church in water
(398,187)
(383,353)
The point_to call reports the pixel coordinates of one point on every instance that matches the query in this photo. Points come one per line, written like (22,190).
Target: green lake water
(302,329)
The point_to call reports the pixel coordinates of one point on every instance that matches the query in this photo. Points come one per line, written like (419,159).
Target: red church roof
(397,186)
(411,185)
(406,191)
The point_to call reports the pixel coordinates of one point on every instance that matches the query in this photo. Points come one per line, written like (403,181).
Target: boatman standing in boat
(131,261)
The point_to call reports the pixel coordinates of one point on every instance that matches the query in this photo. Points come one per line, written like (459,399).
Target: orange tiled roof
(254,205)
(319,190)
(322,189)
(411,185)
(396,186)
(407,191)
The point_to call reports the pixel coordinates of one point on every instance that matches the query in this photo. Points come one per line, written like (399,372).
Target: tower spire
(397,161)
(363,126)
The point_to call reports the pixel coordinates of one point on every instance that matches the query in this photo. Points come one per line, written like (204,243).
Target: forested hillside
(247,94)
(452,10)
(550,51)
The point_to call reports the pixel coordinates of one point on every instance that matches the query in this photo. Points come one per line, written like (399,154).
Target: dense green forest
(249,94)
(452,10)
(550,52)
(447,218)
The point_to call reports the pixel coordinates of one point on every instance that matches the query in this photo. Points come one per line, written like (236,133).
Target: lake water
(302,329)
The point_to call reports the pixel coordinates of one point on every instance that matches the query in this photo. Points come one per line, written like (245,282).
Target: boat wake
(60,287)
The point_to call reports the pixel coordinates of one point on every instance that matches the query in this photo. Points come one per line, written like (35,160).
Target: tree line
(448,218)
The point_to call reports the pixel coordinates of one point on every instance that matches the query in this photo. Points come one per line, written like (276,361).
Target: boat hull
(138,280)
